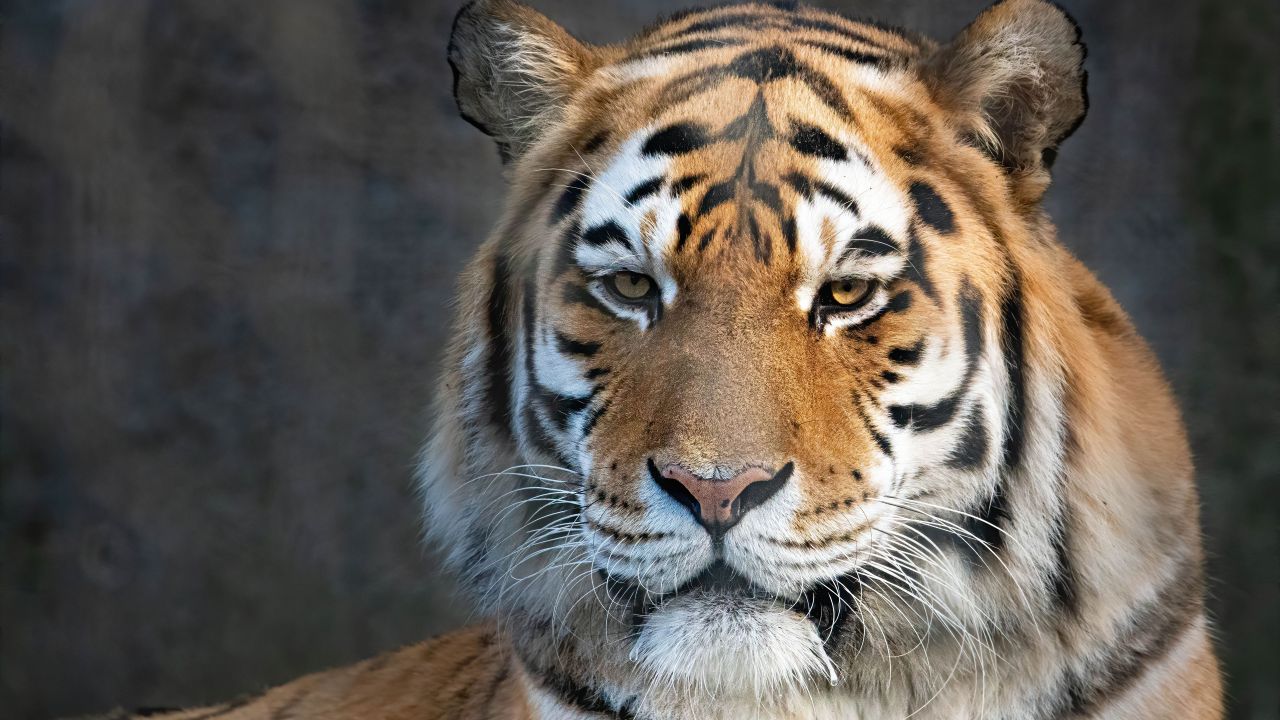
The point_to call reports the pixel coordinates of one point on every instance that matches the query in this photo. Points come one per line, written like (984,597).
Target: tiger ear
(1014,79)
(513,71)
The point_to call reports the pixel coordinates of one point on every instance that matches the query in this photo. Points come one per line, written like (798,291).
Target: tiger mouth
(826,604)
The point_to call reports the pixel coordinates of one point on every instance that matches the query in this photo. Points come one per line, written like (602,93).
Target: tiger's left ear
(1015,80)
(513,71)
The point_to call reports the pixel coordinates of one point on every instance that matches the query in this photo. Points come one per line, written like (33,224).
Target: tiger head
(741,377)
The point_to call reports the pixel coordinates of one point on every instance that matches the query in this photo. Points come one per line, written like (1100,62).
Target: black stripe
(1062,582)
(690,46)
(569,200)
(760,241)
(880,440)
(715,196)
(682,184)
(811,140)
(847,33)
(789,233)
(933,210)
(739,20)
(644,190)
(800,183)
(907,355)
(569,346)
(918,264)
(758,21)
(539,437)
(593,417)
(562,408)
(683,227)
(687,86)
(990,517)
(677,139)
(1011,341)
(828,606)
(767,193)
(900,302)
(872,241)
(972,325)
(836,195)
(828,92)
(970,451)
(924,417)
(581,296)
(857,56)
(605,234)
(498,362)
(565,252)
(705,239)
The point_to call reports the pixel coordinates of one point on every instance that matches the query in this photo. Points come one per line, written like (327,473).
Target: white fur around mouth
(716,642)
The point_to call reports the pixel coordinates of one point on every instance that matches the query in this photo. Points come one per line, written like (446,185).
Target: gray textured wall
(230,235)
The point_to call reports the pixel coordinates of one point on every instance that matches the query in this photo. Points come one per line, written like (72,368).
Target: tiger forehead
(838,61)
(758,170)
(814,81)
(746,126)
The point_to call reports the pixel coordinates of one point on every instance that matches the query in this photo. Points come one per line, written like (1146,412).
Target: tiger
(773,394)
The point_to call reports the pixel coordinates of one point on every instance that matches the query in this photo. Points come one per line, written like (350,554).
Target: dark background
(230,235)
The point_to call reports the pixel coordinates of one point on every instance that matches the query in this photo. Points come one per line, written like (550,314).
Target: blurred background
(230,233)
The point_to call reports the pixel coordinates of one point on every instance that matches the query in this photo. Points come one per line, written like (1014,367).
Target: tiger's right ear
(1014,79)
(513,71)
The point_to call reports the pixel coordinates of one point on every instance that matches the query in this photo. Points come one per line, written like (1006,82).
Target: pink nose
(720,504)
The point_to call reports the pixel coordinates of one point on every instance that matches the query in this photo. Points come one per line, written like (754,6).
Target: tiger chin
(774,395)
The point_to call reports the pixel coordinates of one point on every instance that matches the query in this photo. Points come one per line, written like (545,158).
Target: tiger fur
(773,394)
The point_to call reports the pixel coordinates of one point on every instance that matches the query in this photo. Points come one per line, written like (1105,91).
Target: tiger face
(744,374)
(763,339)
(773,329)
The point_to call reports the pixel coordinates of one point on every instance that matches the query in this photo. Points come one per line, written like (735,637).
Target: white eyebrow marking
(642,247)
(879,203)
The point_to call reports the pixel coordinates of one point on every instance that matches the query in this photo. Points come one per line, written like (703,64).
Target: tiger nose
(719,504)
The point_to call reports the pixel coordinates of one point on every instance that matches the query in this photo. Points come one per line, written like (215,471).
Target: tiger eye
(848,291)
(631,286)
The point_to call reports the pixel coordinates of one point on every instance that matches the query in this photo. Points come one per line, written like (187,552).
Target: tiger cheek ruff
(774,395)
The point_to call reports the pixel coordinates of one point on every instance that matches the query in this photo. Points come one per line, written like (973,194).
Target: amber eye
(630,287)
(847,293)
